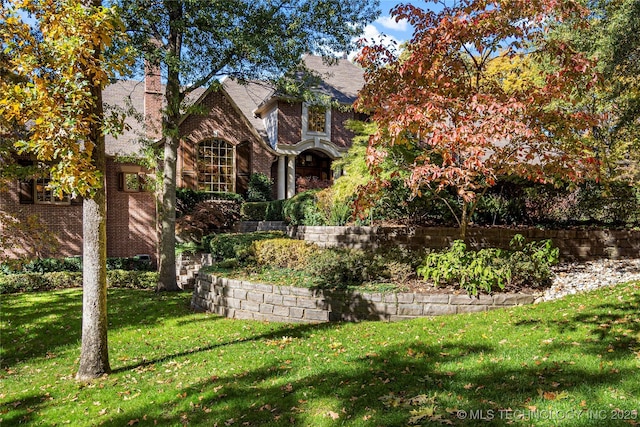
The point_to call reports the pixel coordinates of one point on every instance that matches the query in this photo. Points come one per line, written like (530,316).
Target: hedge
(38,282)
(262,211)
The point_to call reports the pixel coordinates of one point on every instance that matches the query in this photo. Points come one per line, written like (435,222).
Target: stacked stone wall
(573,244)
(240,299)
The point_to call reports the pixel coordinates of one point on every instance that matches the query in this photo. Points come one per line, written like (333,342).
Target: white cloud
(390,23)
(372,36)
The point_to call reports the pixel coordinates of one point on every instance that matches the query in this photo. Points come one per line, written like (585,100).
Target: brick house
(242,129)
(250,128)
(131,212)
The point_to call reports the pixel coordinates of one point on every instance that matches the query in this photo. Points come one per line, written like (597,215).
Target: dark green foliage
(39,282)
(259,188)
(334,268)
(228,246)
(302,209)
(129,264)
(74,264)
(132,279)
(262,211)
(187,199)
(590,204)
(490,269)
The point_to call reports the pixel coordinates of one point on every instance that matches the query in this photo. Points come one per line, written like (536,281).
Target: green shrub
(187,199)
(283,253)
(530,263)
(40,282)
(132,279)
(302,209)
(130,264)
(335,268)
(262,211)
(259,188)
(74,264)
(47,265)
(488,269)
(235,245)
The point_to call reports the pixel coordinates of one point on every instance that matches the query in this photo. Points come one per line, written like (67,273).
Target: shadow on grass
(374,390)
(41,323)
(433,372)
(432,379)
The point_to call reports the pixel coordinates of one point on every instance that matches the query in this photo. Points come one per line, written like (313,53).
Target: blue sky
(386,25)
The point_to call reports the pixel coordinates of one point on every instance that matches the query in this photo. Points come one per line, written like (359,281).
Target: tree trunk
(167,268)
(171,133)
(94,354)
(464,221)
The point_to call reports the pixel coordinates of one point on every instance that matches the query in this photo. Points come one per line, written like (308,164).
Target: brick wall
(130,220)
(289,122)
(340,135)
(222,121)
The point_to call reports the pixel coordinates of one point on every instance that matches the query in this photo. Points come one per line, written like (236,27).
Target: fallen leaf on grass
(333,415)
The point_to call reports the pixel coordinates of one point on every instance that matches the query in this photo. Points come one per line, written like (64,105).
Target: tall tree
(442,97)
(195,42)
(58,68)
(613,37)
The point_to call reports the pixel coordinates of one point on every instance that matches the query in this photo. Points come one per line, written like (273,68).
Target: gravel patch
(571,278)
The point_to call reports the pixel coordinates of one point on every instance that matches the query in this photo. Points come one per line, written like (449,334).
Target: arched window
(216,166)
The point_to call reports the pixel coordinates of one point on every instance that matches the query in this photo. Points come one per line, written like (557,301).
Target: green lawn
(573,362)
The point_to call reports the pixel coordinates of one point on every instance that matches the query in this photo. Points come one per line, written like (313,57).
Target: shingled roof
(125,96)
(341,80)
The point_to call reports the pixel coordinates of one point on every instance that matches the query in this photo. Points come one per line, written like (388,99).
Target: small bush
(283,253)
(130,264)
(187,199)
(488,269)
(74,264)
(259,188)
(262,211)
(227,246)
(132,279)
(208,217)
(301,209)
(335,268)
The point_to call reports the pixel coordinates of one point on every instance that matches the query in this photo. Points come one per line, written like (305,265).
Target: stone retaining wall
(245,300)
(573,244)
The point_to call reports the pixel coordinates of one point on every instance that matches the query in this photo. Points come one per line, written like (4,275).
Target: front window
(216,166)
(44,195)
(317,119)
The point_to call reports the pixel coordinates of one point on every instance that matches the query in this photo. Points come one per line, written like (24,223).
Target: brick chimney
(152,101)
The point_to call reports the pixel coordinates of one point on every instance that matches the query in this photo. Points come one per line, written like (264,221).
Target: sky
(386,25)
(386,28)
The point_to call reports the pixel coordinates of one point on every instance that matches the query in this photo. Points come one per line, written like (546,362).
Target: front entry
(313,170)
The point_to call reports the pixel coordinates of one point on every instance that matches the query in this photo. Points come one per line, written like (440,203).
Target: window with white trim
(216,166)
(317,119)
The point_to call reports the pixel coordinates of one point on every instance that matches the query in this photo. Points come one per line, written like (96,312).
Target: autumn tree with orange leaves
(442,98)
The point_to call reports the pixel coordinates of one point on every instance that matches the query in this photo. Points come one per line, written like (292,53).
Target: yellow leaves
(52,65)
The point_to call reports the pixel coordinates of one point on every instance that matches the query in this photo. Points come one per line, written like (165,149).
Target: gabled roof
(247,96)
(341,80)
